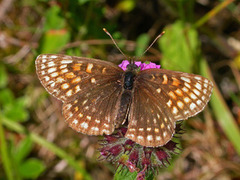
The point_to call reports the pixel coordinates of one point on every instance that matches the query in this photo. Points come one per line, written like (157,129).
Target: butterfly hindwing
(94,113)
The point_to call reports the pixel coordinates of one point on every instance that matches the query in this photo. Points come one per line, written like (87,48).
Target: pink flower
(143,66)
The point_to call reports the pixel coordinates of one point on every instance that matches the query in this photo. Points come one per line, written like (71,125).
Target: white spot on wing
(198,86)
(140,137)
(65,86)
(149,137)
(52,70)
(186,79)
(89,68)
(106,125)
(66,61)
(175,110)
(63,66)
(43,66)
(70,115)
(187,85)
(169,103)
(199,102)
(196,92)
(95,128)
(197,77)
(93,80)
(46,78)
(84,125)
(164,134)
(193,96)
(51,63)
(53,56)
(186,100)
(185,89)
(55,74)
(192,106)
(77,88)
(75,121)
(85,101)
(158,90)
(52,84)
(69,92)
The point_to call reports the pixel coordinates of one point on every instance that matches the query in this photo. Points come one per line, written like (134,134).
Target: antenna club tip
(104,29)
(163,32)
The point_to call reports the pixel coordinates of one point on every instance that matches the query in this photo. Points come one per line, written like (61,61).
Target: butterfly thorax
(129,76)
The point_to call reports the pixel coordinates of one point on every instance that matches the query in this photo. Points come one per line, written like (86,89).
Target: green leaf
(6,97)
(82,2)
(125,174)
(31,168)
(16,112)
(142,44)
(53,19)
(3,76)
(54,40)
(12,108)
(179,47)
(22,150)
(126,5)
(222,112)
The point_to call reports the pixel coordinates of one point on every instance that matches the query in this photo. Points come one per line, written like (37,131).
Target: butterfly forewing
(162,97)
(65,77)
(88,88)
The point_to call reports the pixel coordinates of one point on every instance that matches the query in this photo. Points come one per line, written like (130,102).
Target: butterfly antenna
(160,35)
(105,30)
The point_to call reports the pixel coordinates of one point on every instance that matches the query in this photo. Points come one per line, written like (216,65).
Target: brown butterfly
(98,96)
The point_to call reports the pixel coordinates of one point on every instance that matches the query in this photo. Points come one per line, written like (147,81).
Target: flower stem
(212,13)
(4,153)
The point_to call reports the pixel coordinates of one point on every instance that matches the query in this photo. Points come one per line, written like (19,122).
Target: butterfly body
(98,96)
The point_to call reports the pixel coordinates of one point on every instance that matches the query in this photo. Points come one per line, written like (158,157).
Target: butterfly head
(133,68)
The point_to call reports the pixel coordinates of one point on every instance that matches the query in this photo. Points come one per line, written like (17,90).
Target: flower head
(127,154)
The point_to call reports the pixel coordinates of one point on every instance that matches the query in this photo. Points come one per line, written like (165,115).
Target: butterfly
(98,96)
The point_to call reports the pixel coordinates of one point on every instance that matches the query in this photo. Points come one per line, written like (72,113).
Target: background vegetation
(202,36)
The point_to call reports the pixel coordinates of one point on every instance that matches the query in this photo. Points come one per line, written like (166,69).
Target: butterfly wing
(87,88)
(160,98)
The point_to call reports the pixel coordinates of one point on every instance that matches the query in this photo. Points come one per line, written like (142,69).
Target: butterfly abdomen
(125,102)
